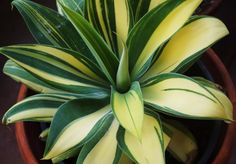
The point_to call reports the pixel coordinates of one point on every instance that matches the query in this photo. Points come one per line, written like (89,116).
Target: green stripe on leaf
(40,107)
(105,58)
(158,25)
(187,45)
(181,96)
(43,24)
(128,109)
(103,147)
(150,149)
(78,118)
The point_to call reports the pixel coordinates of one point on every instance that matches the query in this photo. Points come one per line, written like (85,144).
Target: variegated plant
(109,71)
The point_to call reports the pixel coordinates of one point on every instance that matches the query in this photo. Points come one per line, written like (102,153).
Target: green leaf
(63,69)
(187,45)
(158,25)
(182,144)
(103,147)
(207,83)
(111,19)
(106,123)
(50,28)
(41,107)
(123,77)
(75,123)
(144,6)
(75,5)
(181,96)
(102,53)
(21,75)
(150,149)
(155,3)
(44,134)
(128,109)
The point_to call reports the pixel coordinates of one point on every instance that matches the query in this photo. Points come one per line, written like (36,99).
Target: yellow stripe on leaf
(155,3)
(188,41)
(150,148)
(75,132)
(31,114)
(64,56)
(128,109)
(122,22)
(165,30)
(101,21)
(181,96)
(105,149)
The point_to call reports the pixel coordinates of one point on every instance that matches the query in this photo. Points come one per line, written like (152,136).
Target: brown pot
(221,76)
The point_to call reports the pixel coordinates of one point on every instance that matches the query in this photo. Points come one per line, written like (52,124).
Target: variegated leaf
(65,70)
(44,134)
(144,6)
(128,109)
(103,147)
(112,19)
(187,45)
(41,107)
(21,75)
(105,58)
(150,149)
(75,5)
(181,96)
(158,25)
(75,123)
(50,28)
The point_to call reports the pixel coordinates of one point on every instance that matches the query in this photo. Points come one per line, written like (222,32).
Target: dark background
(14,31)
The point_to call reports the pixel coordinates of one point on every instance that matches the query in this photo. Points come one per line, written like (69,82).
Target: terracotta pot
(221,76)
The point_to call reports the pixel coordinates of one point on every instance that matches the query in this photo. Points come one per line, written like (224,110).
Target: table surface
(14,31)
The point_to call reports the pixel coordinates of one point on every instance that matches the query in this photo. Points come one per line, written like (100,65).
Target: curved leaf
(181,96)
(75,5)
(187,45)
(105,124)
(155,3)
(144,6)
(182,144)
(123,78)
(105,58)
(158,25)
(49,27)
(150,149)
(41,107)
(21,75)
(75,123)
(128,109)
(65,70)
(112,19)
(103,147)
(44,134)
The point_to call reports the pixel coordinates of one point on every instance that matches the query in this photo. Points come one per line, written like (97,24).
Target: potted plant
(111,78)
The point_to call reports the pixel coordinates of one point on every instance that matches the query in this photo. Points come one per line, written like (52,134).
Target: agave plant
(109,73)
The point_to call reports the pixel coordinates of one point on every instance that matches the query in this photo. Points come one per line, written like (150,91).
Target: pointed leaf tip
(123,77)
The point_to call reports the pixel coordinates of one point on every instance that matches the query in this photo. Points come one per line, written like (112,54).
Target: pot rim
(225,80)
